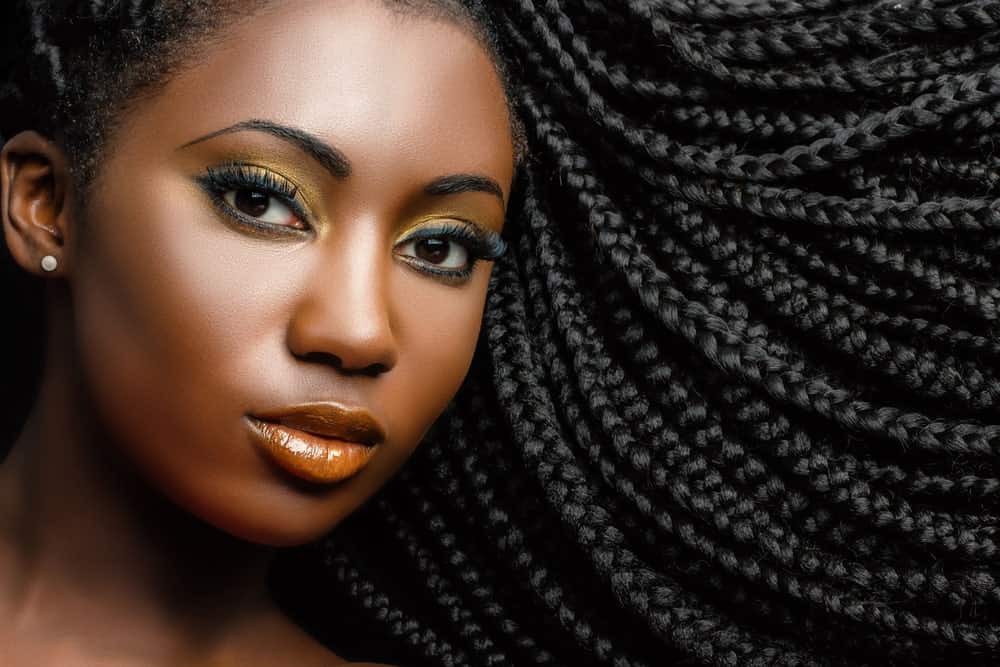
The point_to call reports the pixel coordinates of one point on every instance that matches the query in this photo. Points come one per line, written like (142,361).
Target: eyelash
(479,244)
(243,176)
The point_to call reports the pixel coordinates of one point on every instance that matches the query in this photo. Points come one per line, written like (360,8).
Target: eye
(262,206)
(257,198)
(449,250)
(440,252)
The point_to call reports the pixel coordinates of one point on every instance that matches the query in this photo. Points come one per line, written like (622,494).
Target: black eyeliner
(482,243)
(247,176)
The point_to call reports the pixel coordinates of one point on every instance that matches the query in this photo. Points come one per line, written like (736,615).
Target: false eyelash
(244,176)
(481,245)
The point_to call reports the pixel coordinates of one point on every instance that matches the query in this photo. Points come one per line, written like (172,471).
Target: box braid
(736,403)
(735,399)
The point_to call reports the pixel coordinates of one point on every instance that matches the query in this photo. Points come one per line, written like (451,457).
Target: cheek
(172,310)
(166,293)
(438,328)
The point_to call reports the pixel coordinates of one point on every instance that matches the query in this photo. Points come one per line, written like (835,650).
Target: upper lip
(329,420)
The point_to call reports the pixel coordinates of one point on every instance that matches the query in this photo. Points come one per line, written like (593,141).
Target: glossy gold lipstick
(317,442)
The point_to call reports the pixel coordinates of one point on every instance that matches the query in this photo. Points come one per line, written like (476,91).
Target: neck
(85,543)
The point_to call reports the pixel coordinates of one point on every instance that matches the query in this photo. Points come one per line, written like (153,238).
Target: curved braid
(789,541)
(741,360)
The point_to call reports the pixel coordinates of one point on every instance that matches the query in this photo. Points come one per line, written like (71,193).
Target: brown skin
(137,523)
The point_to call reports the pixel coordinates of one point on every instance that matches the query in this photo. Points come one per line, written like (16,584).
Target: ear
(35,196)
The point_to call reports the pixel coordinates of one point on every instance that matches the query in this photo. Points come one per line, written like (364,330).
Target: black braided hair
(735,401)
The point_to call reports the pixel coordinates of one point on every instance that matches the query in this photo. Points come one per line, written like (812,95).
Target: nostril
(329,359)
(374,369)
(323,358)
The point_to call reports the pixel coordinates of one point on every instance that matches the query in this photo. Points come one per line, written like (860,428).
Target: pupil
(252,202)
(432,250)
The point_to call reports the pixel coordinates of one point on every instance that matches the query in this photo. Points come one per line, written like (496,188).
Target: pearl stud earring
(49,263)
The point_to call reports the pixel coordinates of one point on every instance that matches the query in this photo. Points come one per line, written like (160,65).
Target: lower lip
(307,456)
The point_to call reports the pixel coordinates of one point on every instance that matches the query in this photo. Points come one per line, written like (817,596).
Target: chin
(269,514)
(266,531)
(277,536)
(275,513)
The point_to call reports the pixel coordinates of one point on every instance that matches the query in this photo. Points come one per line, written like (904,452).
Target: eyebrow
(457,183)
(335,162)
(329,157)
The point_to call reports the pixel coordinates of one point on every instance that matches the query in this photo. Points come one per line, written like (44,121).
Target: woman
(735,401)
(258,300)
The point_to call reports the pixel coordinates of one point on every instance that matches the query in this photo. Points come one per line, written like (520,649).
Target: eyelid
(241,174)
(481,242)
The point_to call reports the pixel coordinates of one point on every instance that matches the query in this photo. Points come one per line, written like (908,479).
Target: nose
(343,317)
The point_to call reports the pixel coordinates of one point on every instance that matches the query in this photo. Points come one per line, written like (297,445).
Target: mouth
(318,442)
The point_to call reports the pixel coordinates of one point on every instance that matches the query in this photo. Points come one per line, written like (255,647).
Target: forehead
(387,88)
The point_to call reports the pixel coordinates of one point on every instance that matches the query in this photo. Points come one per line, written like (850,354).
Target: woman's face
(289,222)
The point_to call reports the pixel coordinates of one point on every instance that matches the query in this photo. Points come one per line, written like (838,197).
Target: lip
(318,442)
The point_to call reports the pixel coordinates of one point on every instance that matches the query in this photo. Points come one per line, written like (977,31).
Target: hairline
(179,57)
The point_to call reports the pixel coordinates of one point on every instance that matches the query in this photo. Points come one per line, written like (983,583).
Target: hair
(735,401)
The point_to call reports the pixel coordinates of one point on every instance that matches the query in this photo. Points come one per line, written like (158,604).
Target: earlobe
(35,189)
